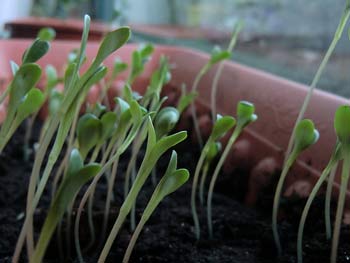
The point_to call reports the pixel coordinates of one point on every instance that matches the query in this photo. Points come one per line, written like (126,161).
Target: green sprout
(236,30)
(245,116)
(164,122)
(172,180)
(23,97)
(44,35)
(342,129)
(217,55)
(333,162)
(221,127)
(151,100)
(77,175)
(139,59)
(25,77)
(186,98)
(337,35)
(155,149)
(305,136)
(75,91)
(214,150)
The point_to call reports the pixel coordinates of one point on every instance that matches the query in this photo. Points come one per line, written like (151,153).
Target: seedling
(165,121)
(245,116)
(22,94)
(77,175)
(237,29)
(338,33)
(172,180)
(221,127)
(52,80)
(217,55)
(155,149)
(342,129)
(139,59)
(333,162)
(151,100)
(185,99)
(305,136)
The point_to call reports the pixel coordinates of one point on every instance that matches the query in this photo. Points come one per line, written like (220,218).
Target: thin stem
(194,187)
(218,73)
(133,208)
(32,184)
(202,183)
(90,190)
(28,135)
(340,207)
(199,76)
(146,215)
(337,36)
(141,177)
(68,227)
(223,157)
(277,197)
(109,197)
(328,202)
(308,204)
(59,173)
(132,162)
(133,240)
(63,129)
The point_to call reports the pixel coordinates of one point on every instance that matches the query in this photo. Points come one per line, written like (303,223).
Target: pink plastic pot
(277,102)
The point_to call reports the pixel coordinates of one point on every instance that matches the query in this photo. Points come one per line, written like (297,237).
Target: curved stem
(143,173)
(199,76)
(308,204)
(109,198)
(328,201)
(146,215)
(133,208)
(194,188)
(223,157)
(133,240)
(340,207)
(276,200)
(218,73)
(90,190)
(68,227)
(32,184)
(202,183)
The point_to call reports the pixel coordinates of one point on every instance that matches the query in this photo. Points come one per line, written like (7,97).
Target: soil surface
(241,234)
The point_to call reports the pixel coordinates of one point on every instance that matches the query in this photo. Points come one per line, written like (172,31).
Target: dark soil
(242,234)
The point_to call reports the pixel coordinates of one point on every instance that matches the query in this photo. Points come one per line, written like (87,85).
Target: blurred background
(287,38)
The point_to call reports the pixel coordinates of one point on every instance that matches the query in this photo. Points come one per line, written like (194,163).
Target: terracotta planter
(277,103)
